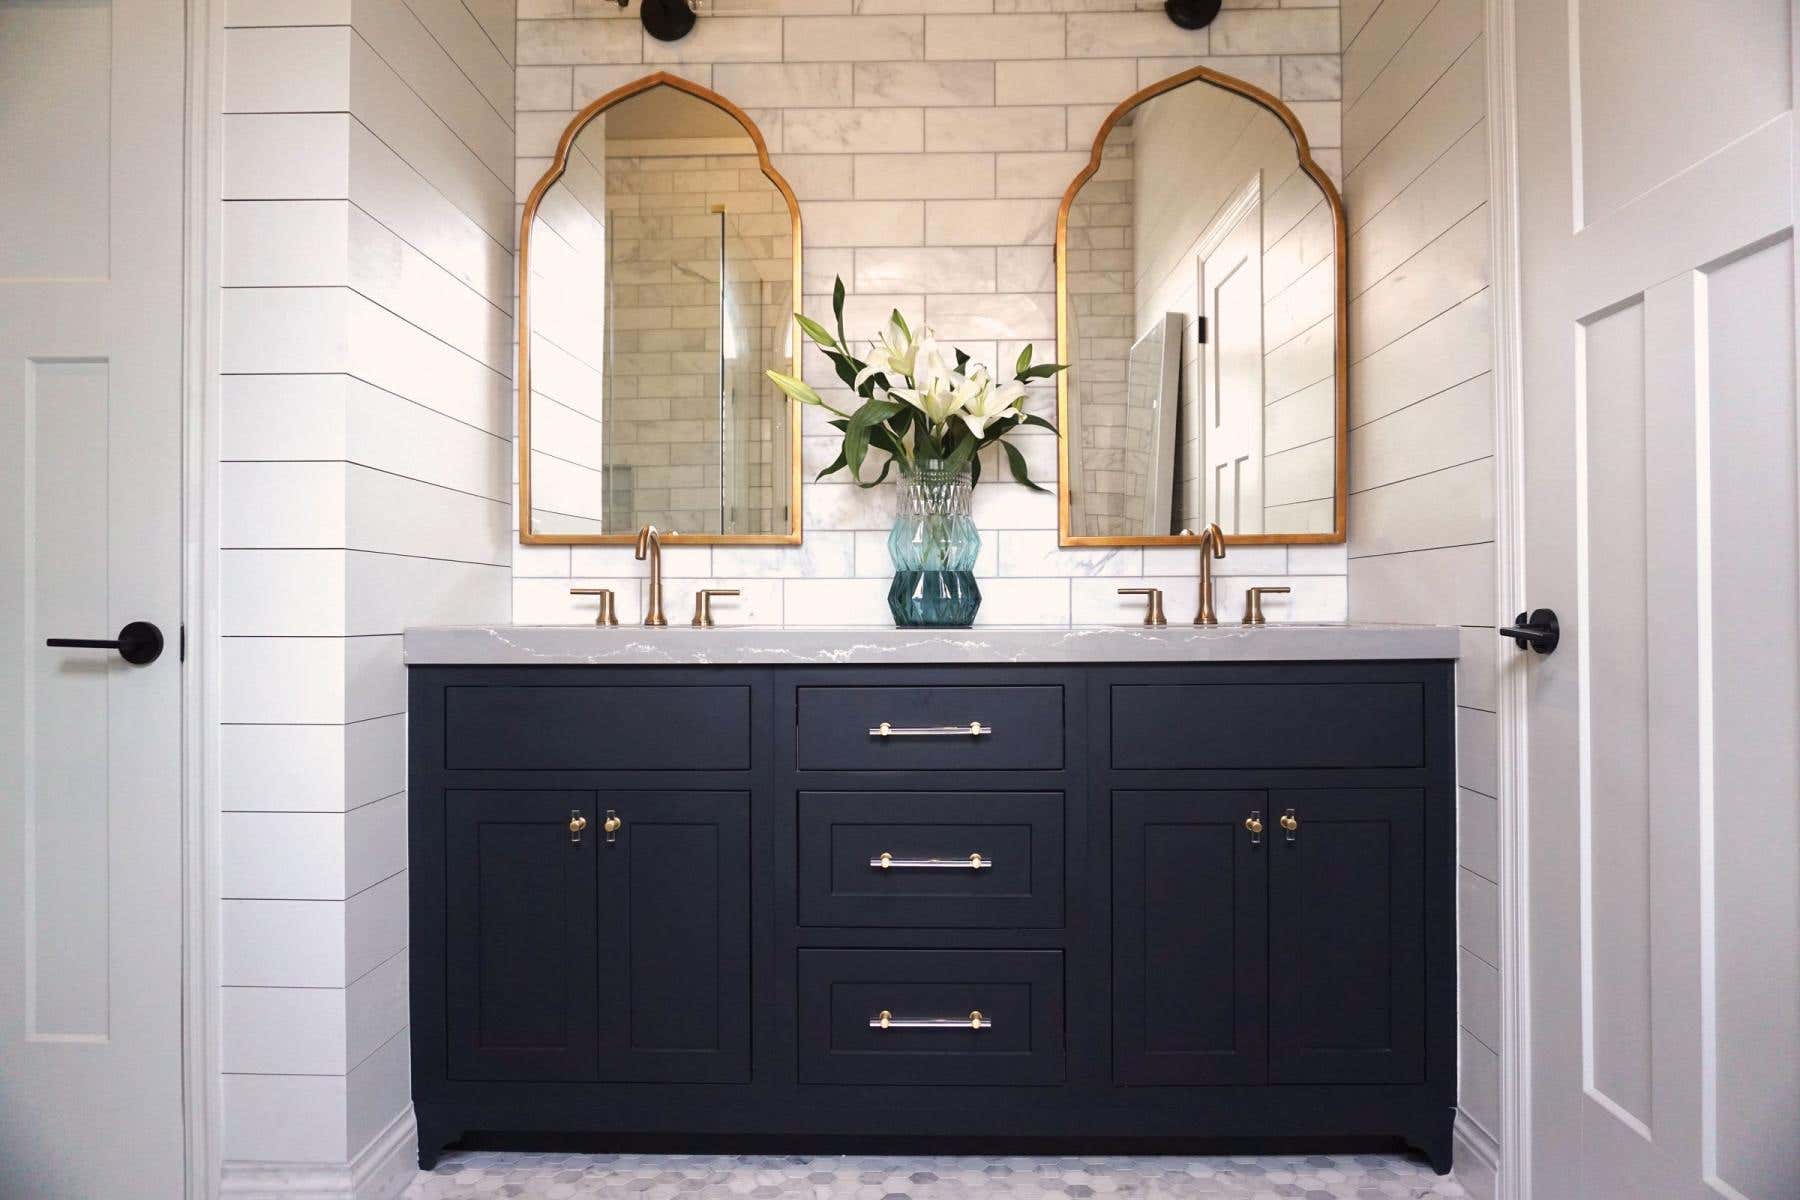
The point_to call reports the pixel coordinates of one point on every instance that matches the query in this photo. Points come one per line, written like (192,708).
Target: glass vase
(933,545)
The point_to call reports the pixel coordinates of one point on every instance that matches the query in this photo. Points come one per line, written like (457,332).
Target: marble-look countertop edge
(585,645)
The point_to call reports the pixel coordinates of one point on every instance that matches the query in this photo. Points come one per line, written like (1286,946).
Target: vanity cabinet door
(519,963)
(1347,936)
(1190,930)
(674,938)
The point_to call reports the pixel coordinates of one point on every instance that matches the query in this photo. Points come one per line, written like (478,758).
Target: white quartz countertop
(746,645)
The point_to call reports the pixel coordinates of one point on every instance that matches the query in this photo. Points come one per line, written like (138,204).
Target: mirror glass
(660,269)
(1202,286)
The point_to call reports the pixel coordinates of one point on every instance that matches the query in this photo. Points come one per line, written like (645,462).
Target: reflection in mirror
(661,274)
(1202,285)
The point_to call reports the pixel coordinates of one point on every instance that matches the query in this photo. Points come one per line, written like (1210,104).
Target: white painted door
(1231,369)
(1656,169)
(90,538)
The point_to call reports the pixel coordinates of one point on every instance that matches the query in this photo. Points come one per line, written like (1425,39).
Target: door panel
(1190,929)
(674,943)
(520,935)
(1347,937)
(91,825)
(1657,331)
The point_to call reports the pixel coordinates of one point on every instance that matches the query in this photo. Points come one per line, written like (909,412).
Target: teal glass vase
(933,545)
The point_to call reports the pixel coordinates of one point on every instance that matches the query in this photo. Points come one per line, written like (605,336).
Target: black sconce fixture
(1192,14)
(669,20)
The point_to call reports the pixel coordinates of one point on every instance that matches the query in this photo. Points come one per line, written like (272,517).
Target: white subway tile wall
(366,413)
(930,142)
(1421,416)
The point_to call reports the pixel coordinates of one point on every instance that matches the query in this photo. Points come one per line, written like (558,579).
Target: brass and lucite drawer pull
(972,729)
(577,823)
(887,1020)
(974,862)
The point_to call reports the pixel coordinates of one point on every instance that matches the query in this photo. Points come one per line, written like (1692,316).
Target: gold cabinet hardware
(1253,613)
(1254,824)
(887,1020)
(703,605)
(608,614)
(885,861)
(577,823)
(612,824)
(1291,823)
(972,729)
(1153,607)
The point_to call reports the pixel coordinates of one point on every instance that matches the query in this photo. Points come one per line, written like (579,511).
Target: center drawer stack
(929,896)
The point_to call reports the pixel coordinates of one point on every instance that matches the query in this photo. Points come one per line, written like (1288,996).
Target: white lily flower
(936,394)
(991,403)
(892,354)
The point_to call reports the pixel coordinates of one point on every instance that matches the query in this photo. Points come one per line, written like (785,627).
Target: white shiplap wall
(1422,442)
(366,414)
(929,142)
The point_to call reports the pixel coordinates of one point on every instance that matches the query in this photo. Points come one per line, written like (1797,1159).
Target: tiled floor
(724,1177)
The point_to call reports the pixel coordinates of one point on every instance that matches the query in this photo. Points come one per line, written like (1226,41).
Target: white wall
(929,151)
(1421,415)
(366,410)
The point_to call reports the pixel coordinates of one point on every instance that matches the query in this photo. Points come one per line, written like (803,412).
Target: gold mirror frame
(1341,467)
(527,535)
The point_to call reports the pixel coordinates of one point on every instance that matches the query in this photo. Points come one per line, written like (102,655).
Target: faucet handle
(1253,613)
(608,614)
(703,604)
(1153,607)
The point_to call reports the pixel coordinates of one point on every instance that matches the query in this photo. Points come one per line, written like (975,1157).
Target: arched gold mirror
(659,269)
(1202,296)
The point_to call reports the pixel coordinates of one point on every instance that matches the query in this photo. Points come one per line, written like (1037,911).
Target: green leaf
(1016,461)
(960,453)
(886,466)
(837,464)
(816,331)
(899,320)
(1024,361)
(799,389)
(974,471)
(845,366)
(837,308)
(856,435)
(962,360)
(1040,422)
(1043,370)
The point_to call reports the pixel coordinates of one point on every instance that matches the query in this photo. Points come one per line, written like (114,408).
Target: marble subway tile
(1322,121)
(575,42)
(1013,315)
(850,130)
(1091,81)
(925,84)
(593,82)
(1134,34)
(1034,552)
(543,88)
(927,269)
(1085,121)
(1007,601)
(1288,31)
(1024,127)
(721,40)
(857,39)
(823,554)
(1311,77)
(1041,174)
(924,176)
(1262,70)
(838,602)
(990,222)
(548,602)
(865,223)
(759,601)
(988,37)
(817,177)
(1025,269)
(784,85)
(1238,560)
(821,265)
(1096,601)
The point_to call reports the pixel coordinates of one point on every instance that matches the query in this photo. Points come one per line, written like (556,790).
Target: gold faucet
(1212,545)
(649,544)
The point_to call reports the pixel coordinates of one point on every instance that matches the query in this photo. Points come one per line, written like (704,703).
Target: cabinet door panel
(1347,937)
(674,941)
(1189,938)
(520,935)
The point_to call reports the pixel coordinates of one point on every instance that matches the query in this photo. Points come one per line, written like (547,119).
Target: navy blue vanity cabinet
(1123,906)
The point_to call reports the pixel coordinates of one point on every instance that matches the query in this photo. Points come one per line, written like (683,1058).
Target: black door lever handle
(1538,632)
(140,643)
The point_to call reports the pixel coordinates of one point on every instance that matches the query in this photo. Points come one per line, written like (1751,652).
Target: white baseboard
(380,1171)
(1477,1159)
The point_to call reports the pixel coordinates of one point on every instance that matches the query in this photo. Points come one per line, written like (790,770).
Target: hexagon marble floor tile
(551,1176)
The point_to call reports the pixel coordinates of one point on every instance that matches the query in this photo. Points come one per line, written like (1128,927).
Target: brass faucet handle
(1153,607)
(608,614)
(703,604)
(1253,613)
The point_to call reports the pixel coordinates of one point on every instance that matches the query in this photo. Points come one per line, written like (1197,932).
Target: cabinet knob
(1289,822)
(577,823)
(612,824)
(1254,824)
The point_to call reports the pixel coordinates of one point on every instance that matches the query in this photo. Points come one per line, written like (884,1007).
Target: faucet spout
(1212,545)
(649,545)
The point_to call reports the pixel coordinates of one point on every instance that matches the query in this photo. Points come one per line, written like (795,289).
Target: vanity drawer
(598,727)
(1246,726)
(1019,994)
(930,728)
(1017,836)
